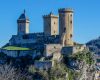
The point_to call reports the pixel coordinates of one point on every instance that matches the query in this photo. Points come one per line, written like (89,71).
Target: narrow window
(71,35)
(64,29)
(54,23)
(54,31)
(71,21)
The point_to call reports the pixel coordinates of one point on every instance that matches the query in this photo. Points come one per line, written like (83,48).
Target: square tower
(23,24)
(50,24)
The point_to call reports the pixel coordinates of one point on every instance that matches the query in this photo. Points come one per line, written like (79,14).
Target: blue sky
(86,16)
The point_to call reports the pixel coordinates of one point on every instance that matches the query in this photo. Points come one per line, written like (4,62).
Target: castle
(57,38)
(52,35)
(64,32)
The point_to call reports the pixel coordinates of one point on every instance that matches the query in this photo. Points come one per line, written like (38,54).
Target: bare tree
(7,72)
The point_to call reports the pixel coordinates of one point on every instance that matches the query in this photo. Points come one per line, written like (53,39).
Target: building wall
(54,26)
(10,53)
(79,48)
(16,53)
(43,64)
(50,49)
(23,27)
(33,38)
(73,49)
(47,26)
(68,50)
(27,28)
(19,39)
(50,24)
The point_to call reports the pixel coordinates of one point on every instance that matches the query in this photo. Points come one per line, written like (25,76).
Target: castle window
(54,23)
(54,31)
(71,35)
(71,21)
(65,42)
(64,29)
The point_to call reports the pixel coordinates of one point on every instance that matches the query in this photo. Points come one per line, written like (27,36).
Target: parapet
(62,10)
(50,15)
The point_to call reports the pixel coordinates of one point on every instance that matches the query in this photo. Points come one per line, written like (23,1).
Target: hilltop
(94,45)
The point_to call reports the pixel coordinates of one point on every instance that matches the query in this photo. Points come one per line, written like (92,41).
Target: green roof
(15,48)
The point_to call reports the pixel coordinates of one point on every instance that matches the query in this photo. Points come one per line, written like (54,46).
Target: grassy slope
(15,48)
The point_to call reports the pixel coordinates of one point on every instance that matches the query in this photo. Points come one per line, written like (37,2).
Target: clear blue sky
(86,16)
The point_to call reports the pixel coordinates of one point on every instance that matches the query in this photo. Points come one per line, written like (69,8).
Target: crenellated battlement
(50,15)
(53,25)
(65,10)
(66,26)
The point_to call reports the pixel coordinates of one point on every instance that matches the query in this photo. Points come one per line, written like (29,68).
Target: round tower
(23,24)
(66,26)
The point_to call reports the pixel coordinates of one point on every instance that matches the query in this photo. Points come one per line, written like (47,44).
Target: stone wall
(19,53)
(79,48)
(68,50)
(50,24)
(34,38)
(9,53)
(43,64)
(50,49)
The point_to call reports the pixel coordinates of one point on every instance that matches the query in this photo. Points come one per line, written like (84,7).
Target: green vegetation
(70,72)
(15,48)
(84,56)
(60,71)
(89,59)
(78,58)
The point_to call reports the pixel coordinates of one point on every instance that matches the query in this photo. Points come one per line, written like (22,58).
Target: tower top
(50,15)
(23,17)
(65,10)
(23,24)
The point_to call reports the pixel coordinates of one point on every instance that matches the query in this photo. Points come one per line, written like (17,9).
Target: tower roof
(23,16)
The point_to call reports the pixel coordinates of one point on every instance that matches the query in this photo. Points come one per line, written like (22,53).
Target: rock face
(94,46)
(81,65)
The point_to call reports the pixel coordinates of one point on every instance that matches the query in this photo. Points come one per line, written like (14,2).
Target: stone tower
(66,26)
(50,24)
(23,24)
